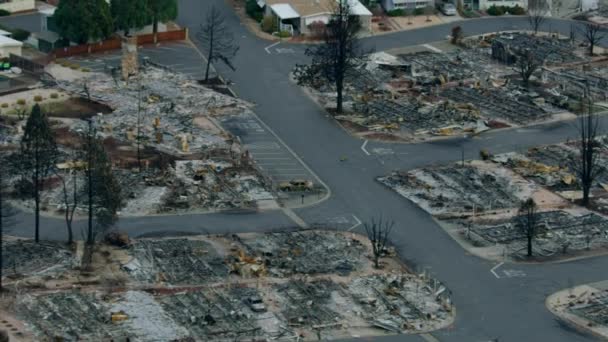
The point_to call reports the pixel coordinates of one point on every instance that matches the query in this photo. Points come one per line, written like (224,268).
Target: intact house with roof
(390,5)
(296,16)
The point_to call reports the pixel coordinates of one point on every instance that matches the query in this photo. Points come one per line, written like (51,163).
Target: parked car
(448,9)
(256,304)
(296,185)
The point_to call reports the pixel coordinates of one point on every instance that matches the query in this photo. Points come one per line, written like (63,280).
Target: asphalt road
(509,308)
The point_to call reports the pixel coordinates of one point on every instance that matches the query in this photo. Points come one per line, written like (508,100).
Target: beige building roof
(307,7)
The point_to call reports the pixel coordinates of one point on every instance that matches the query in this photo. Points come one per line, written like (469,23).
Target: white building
(9,45)
(298,15)
(18,5)
(390,5)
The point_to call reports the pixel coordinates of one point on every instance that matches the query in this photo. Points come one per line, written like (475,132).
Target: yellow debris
(119,316)
(446,131)
(72,164)
(568,179)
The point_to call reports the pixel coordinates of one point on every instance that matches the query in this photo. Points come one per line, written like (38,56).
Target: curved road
(508,309)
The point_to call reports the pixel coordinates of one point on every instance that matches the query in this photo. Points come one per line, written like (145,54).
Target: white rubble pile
(168,104)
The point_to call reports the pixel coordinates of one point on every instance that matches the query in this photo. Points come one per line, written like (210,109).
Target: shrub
(269,24)
(37,98)
(284,34)
(419,11)
(485,154)
(253,10)
(516,10)
(74,67)
(21,102)
(4,13)
(20,34)
(399,12)
(54,95)
(85,69)
(496,10)
(4,105)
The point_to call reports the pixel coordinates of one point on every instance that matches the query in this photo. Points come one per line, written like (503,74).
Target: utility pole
(1,227)
(90,180)
(138,138)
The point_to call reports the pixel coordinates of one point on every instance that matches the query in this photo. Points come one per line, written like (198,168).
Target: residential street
(506,306)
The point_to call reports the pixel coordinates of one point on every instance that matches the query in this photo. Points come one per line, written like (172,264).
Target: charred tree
(378,232)
(537,14)
(6,214)
(217,39)
(528,222)
(339,54)
(527,64)
(593,34)
(585,164)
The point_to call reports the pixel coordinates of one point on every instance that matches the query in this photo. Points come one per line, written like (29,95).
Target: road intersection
(501,301)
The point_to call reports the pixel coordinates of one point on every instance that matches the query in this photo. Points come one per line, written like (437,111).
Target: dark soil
(76,108)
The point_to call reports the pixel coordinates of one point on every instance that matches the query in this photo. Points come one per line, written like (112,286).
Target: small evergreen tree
(38,157)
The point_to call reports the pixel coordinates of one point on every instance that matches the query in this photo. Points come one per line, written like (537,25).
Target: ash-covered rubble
(560,232)
(26,258)
(508,46)
(456,189)
(307,252)
(175,261)
(175,112)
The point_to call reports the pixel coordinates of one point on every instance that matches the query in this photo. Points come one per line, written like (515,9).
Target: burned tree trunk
(217,40)
(593,34)
(585,164)
(337,56)
(528,224)
(378,233)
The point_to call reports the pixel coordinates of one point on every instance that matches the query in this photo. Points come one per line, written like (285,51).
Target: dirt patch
(75,108)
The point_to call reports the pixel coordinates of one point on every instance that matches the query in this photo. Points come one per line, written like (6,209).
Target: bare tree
(339,54)
(528,222)
(457,35)
(527,64)
(70,199)
(537,10)
(593,34)
(6,213)
(585,164)
(217,39)
(378,232)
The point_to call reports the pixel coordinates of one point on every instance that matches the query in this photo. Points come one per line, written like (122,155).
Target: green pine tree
(37,157)
(129,14)
(161,11)
(81,21)
(102,188)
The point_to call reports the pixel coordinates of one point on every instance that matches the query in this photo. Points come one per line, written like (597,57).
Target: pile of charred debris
(468,89)
(163,134)
(479,201)
(295,285)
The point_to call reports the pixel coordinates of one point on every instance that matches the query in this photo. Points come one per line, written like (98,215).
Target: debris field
(467,89)
(477,202)
(197,287)
(163,134)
